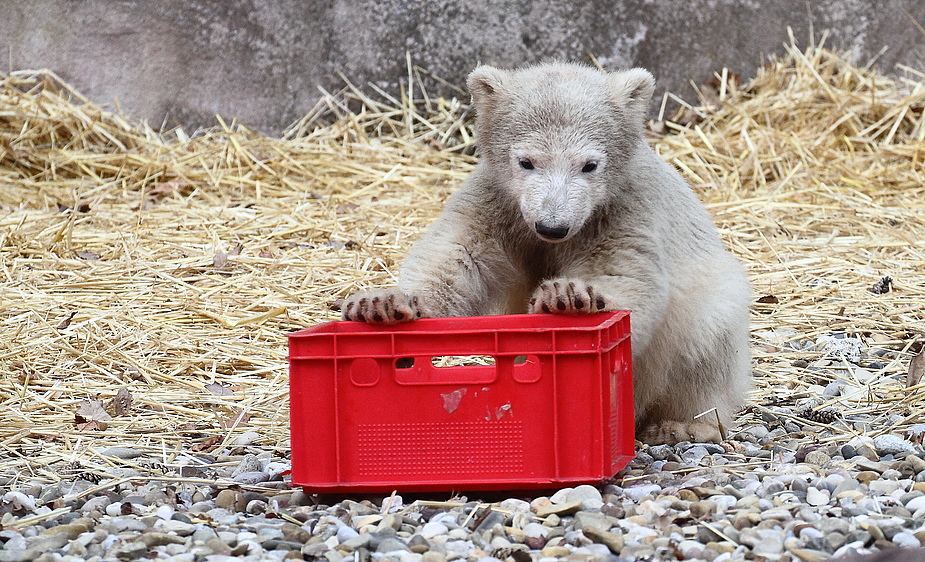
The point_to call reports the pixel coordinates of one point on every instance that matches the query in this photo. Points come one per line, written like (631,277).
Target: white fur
(637,238)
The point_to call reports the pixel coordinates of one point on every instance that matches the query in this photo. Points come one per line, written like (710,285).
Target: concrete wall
(183,61)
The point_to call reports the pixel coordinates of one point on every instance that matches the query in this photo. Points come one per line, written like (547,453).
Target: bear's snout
(551,232)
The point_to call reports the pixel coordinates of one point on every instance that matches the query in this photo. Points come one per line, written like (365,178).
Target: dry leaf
(266,254)
(768,299)
(916,369)
(67,321)
(239,419)
(122,403)
(219,390)
(236,251)
(883,286)
(93,425)
(87,255)
(207,445)
(166,188)
(92,410)
(346,208)
(220,259)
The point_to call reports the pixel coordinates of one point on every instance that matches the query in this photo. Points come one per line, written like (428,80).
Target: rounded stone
(889,444)
(231,500)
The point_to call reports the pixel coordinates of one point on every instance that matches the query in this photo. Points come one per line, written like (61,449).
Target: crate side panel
(313,412)
(580,427)
(449,432)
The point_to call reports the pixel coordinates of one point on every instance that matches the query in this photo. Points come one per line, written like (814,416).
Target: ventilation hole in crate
(527,368)
(404,362)
(462,360)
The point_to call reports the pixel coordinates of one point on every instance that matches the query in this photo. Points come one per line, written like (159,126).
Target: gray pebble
(392,545)
(660,452)
(251,478)
(121,453)
(889,444)
(250,463)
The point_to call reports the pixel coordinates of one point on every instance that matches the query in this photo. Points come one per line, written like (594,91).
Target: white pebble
(816,497)
(458,534)
(561,496)
(724,502)
(445,518)
(584,492)
(637,493)
(246,438)
(109,541)
(345,533)
(21,499)
(533,530)
(591,504)
(691,549)
(515,504)
(810,533)
(165,512)
(114,509)
(179,527)
(432,529)
(906,540)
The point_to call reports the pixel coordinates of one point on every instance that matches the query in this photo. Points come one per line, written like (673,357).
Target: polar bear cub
(569,211)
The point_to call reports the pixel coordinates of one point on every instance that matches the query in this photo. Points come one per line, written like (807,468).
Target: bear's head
(557,138)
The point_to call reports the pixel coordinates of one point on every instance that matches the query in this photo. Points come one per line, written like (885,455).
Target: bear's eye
(589,167)
(526,164)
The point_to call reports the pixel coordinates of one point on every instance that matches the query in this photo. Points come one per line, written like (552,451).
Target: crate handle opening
(444,361)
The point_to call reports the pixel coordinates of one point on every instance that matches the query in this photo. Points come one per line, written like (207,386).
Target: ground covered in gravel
(736,501)
(148,279)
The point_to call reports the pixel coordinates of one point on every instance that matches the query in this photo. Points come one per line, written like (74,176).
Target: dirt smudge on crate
(451,400)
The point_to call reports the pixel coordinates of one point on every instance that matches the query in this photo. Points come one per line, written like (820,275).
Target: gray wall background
(180,62)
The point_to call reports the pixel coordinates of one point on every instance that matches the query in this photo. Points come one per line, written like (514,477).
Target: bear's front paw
(673,432)
(569,296)
(387,306)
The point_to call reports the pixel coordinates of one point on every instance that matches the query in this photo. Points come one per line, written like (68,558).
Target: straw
(168,267)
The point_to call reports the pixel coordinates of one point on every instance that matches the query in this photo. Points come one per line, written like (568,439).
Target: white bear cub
(569,211)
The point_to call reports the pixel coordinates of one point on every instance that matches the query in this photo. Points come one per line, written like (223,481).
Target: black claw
(600,303)
(398,315)
(377,317)
(546,309)
(561,304)
(579,304)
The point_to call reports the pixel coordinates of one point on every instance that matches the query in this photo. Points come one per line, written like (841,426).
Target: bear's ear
(484,83)
(632,89)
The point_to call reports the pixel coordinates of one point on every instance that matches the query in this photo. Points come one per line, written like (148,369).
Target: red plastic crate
(371,412)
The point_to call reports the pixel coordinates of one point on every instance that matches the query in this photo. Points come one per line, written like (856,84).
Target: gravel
(798,480)
(684,502)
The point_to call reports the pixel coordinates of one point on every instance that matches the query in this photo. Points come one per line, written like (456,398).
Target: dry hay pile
(147,280)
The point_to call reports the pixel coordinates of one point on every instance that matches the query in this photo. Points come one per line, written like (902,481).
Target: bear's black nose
(551,232)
